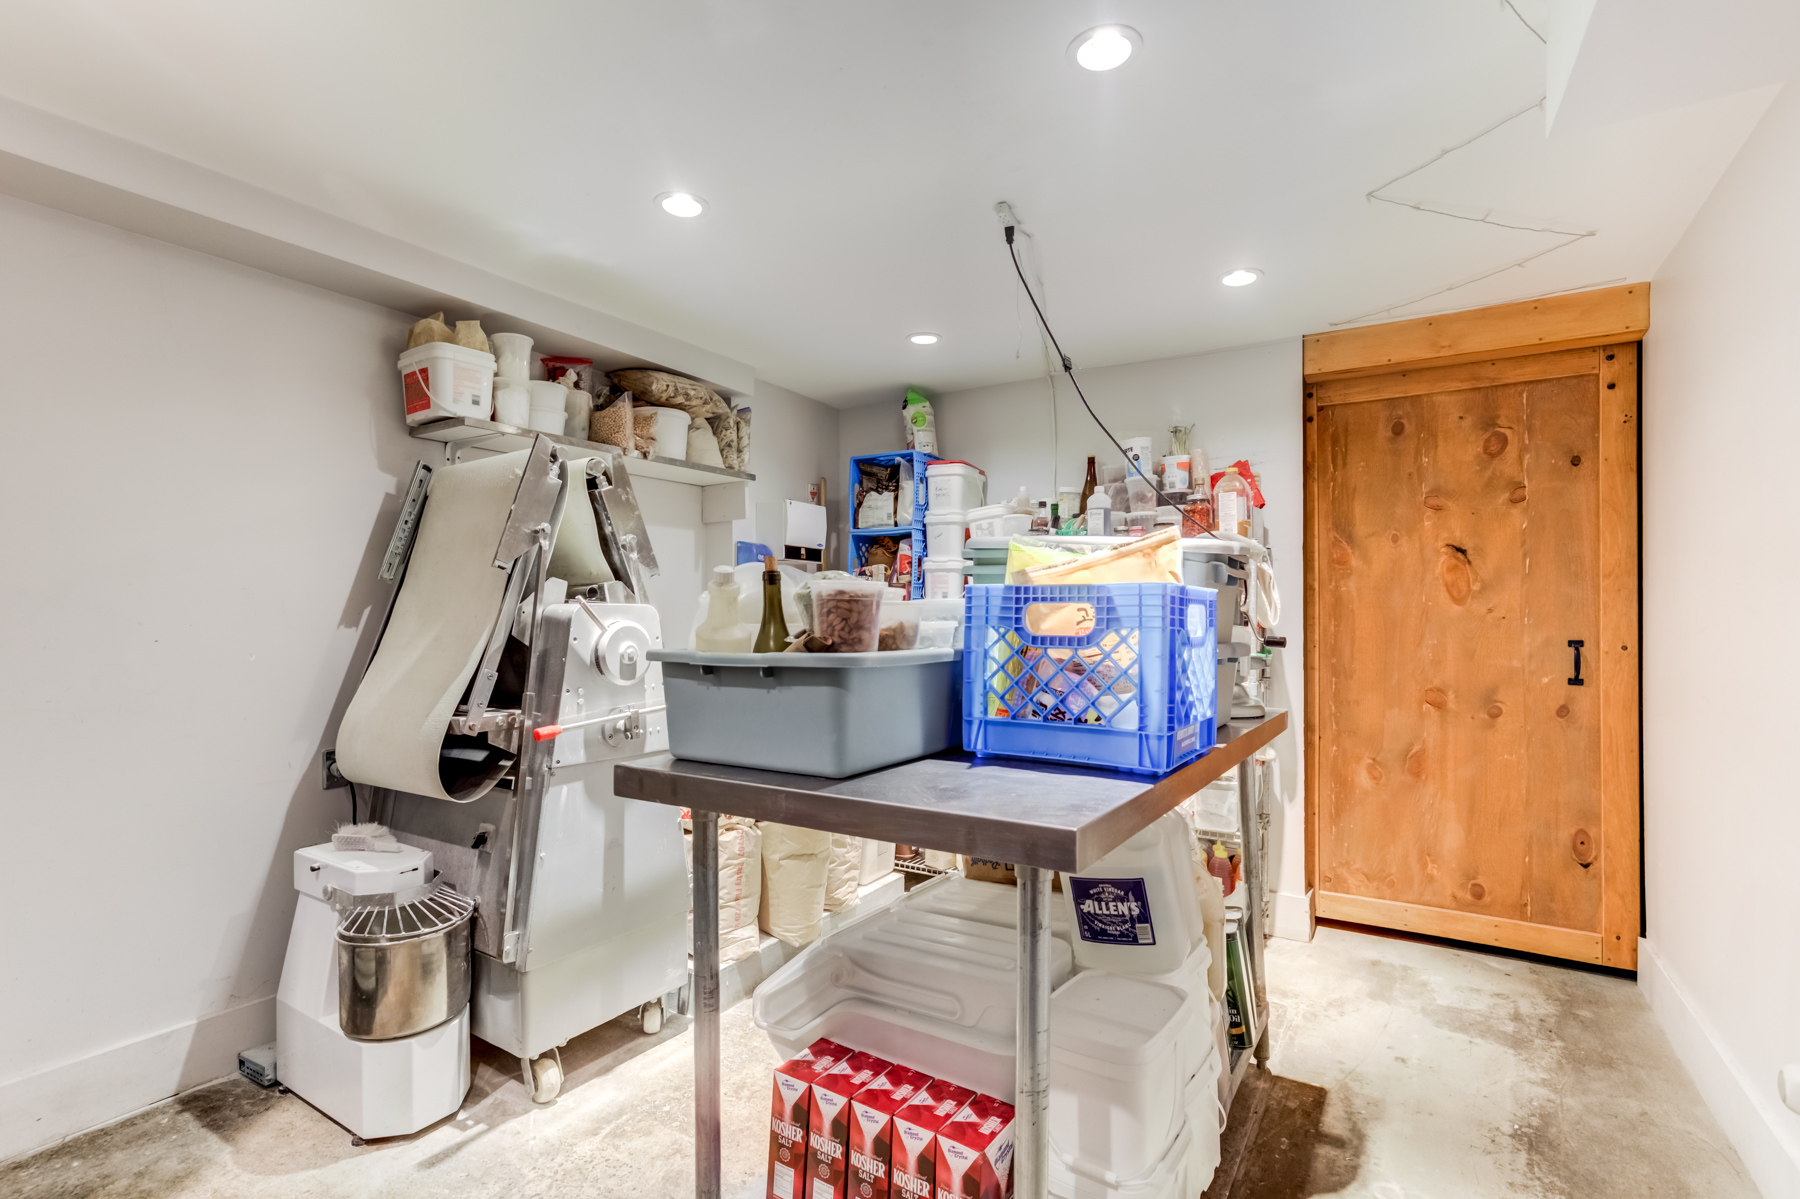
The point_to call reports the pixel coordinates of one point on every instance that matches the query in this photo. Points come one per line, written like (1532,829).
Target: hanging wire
(1068,368)
(1569,236)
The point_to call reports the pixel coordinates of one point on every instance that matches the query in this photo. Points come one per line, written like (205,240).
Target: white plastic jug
(723,630)
(1135,910)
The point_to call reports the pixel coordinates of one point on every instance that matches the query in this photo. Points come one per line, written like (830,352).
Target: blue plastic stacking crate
(1117,675)
(860,538)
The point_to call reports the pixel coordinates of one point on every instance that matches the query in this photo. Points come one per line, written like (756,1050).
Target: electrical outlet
(330,779)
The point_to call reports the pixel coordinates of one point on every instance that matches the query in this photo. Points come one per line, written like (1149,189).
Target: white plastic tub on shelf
(954,486)
(936,992)
(442,379)
(945,533)
(944,577)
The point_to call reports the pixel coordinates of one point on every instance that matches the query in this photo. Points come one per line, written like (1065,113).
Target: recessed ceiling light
(924,339)
(681,204)
(1105,46)
(1242,277)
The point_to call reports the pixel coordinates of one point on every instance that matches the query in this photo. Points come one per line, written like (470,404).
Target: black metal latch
(1577,680)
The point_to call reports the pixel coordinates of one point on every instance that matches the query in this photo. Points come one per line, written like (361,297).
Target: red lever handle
(546,732)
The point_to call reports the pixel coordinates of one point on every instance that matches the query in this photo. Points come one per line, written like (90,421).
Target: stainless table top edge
(1028,813)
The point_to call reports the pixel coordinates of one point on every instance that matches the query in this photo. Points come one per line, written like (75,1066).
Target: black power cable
(1069,370)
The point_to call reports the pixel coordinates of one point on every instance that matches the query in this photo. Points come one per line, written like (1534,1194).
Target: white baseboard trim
(38,1110)
(1763,1132)
(1292,918)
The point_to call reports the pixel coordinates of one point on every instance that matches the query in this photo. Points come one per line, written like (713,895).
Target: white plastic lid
(931,466)
(361,872)
(1115,1018)
(990,511)
(949,517)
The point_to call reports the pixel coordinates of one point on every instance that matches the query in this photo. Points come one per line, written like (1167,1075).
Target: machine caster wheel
(653,1017)
(546,1077)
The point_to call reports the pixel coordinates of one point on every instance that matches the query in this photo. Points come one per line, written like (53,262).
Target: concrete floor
(1402,1070)
(1407,1069)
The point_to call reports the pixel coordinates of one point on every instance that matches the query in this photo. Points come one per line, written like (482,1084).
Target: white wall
(794,443)
(1721,418)
(203,476)
(200,478)
(1243,404)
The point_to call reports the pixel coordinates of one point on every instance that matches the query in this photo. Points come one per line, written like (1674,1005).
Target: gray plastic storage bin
(825,714)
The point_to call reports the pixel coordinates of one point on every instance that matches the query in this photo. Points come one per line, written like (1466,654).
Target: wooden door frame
(1475,348)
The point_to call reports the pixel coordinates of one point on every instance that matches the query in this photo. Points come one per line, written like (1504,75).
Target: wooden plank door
(1467,524)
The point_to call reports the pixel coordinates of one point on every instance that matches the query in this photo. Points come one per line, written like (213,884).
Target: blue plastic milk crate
(1117,675)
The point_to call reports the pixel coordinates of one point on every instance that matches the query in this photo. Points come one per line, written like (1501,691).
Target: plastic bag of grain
(843,875)
(795,862)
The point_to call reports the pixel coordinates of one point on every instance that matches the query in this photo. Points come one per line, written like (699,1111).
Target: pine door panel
(1455,548)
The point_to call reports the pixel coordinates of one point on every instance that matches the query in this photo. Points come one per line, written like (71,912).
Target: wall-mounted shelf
(466,432)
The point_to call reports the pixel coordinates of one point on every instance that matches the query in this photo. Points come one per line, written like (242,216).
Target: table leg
(1031,1142)
(707,1168)
(1248,821)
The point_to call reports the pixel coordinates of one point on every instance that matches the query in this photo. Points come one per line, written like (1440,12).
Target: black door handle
(1576,646)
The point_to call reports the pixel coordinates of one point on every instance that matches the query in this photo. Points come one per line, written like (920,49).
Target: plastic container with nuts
(847,613)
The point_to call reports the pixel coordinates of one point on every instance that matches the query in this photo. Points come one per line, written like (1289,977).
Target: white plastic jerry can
(1135,911)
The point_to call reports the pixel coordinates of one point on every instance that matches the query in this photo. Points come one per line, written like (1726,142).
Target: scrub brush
(369,838)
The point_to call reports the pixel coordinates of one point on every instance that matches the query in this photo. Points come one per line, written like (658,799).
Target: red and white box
(975,1151)
(916,1124)
(828,1140)
(872,1131)
(791,1115)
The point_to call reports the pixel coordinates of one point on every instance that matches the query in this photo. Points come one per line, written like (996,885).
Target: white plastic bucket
(513,351)
(1205,1120)
(1010,524)
(1135,911)
(943,577)
(441,379)
(1173,1177)
(998,520)
(671,431)
(1118,1098)
(953,486)
(944,534)
(1194,1047)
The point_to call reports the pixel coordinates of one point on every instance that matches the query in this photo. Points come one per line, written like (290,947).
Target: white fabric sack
(740,885)
(795,862)
(703,444)
(843,875)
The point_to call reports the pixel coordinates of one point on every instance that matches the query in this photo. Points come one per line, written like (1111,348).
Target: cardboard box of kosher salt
(791,1115)
(828,1135)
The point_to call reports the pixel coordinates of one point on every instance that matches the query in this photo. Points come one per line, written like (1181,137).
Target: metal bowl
(403,968)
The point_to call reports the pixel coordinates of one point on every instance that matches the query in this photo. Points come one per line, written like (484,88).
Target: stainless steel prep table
(1039,816)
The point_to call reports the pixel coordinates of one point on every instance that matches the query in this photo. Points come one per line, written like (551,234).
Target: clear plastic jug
(1135,911)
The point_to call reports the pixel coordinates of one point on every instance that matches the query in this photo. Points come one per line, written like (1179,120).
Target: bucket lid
(1115,1017)
(931,466)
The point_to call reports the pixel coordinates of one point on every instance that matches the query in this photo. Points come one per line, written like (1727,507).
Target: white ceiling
(852,155)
